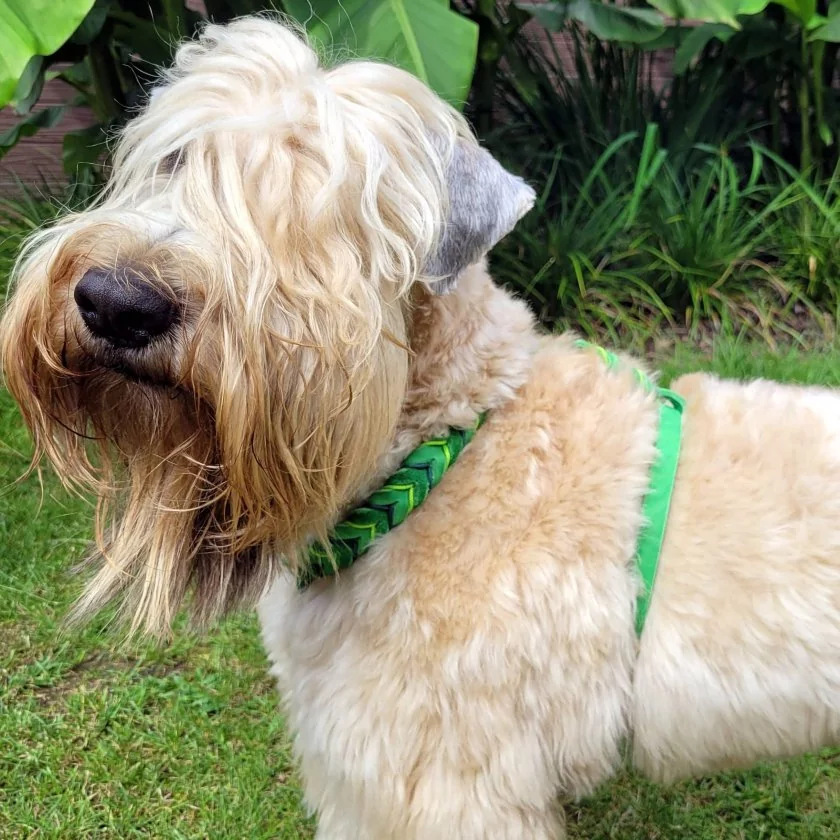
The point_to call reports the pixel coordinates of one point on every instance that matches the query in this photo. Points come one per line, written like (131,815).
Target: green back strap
(387,507)
(663,472)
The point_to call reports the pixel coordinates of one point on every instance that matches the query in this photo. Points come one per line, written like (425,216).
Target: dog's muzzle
(123,308)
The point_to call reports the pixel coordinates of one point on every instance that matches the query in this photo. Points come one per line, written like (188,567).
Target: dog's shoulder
(574,384)
(551,483)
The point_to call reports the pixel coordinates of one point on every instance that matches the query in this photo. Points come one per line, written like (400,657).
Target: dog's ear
(485,202)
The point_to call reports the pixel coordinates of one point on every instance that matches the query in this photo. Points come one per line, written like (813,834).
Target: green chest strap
(423,469)
(663,473)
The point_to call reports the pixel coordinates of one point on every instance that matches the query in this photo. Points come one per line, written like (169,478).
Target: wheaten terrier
(278,301)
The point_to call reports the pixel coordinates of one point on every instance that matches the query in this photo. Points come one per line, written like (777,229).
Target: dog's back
(740,657)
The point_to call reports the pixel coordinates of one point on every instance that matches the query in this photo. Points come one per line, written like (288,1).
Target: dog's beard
(168,520)
(211,461)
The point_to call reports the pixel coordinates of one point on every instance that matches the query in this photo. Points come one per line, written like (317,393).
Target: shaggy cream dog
(279,297)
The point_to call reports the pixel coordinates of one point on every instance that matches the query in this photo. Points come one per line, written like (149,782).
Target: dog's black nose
(122,307)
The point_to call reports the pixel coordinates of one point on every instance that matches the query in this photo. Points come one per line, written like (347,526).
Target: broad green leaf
(424,37)
(92,25)
(553,16)
(829,31)
(33,27)
(670,39)
(29,86)
(696,40)
(47,118)
(803,10)
(752,7)
(707,11)
(77,75)
(711,11)
(604,20)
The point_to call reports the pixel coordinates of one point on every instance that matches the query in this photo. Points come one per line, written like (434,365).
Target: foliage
(627,24)
(688,206)
(687,241)
(423,36)
(572,255)
(499,28)
(109,60)
(708,235)
(549,104)
(28,30)
(115,51)
(790,44)
(808,239)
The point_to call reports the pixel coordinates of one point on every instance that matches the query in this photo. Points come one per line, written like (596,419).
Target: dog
(280,296)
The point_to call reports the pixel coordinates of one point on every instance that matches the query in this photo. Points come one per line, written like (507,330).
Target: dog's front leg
(444,803)
(482,825)
(400,739)
(398,746)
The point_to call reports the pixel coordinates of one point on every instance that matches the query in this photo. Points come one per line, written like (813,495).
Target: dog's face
(218,348)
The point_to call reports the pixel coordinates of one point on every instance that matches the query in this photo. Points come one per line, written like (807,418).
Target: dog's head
(218,348)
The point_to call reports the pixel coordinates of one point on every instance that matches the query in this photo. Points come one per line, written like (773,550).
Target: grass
(103,740)
(696,243)
(99,739)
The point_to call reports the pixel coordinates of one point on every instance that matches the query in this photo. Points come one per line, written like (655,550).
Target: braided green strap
(663,474)
(388,507)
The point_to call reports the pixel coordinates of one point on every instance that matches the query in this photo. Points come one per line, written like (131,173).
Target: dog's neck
(471,351)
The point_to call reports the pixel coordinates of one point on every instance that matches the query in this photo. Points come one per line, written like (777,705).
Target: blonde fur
(290,209)
(479,663)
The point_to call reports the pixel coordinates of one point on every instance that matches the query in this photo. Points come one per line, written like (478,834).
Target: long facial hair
(211,457)
(289,210)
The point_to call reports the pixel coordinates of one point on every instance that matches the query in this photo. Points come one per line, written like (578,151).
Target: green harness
(423,469)
(663,472)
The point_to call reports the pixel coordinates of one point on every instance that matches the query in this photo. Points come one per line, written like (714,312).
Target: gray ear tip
(522,199)
(486,202)
(528,198)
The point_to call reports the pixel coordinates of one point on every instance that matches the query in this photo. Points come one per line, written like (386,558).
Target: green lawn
(103,740)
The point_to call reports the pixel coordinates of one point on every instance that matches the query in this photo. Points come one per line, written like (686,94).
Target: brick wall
(38,158)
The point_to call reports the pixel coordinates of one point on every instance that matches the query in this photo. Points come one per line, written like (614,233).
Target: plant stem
(107,99)
(805,156)
(775,112)
(488,56)
(817,55)
(173,10)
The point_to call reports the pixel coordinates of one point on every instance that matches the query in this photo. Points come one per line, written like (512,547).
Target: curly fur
(290,209)
(479,664)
